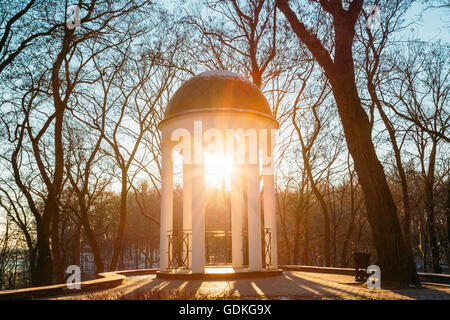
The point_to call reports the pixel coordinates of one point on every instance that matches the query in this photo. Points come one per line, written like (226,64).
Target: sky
(434,23)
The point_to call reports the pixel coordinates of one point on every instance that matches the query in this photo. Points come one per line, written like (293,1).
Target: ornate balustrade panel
(267,247)
(217,244)
(218,247)
(178,249)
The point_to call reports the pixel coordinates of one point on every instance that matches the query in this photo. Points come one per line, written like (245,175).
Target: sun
(218,167)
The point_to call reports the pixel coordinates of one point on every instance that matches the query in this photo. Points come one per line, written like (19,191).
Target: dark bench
(362,261)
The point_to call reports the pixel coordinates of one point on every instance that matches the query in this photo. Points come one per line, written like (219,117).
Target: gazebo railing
(218,247)
(178,250)
(179,247)
(267,247)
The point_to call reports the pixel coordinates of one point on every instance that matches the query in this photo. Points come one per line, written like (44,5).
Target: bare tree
(355,206)
(420,88)
(17,19)
(307,143)
(395,258)
(244,37)
(141,90)
(42,132)
(375,66)
(16,211)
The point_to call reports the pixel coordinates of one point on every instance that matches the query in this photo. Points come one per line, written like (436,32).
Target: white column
(166,219)
(254,218)
(270,218)
(237,211)
(198,218)
(187,209)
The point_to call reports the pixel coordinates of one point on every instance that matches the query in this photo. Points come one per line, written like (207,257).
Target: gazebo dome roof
(217,91)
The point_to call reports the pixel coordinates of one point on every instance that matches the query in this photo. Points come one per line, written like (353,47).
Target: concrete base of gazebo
(218,274)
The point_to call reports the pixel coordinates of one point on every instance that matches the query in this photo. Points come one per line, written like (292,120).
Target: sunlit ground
(212,270)
(221,269)
(291,285)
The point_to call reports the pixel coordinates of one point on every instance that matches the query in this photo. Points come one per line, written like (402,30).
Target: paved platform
(291,285)
(220,273)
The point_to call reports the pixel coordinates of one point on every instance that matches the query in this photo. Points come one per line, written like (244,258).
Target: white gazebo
(226,113)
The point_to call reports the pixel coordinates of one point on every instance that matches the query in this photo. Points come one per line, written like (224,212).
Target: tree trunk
(122,222)
(287,255)
(429,207)
(398,161)
(75,254)
(151,259)
(296,243)
(324,209)
(91,238)
(447,214)
(137,255)
(305,257)
(56,248)
(446,247)
(353,209)
(43,271)
(423,245)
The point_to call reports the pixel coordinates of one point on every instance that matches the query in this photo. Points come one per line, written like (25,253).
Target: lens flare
(218,167)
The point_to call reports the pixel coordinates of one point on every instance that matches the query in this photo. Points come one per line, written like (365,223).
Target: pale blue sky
(434,23)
